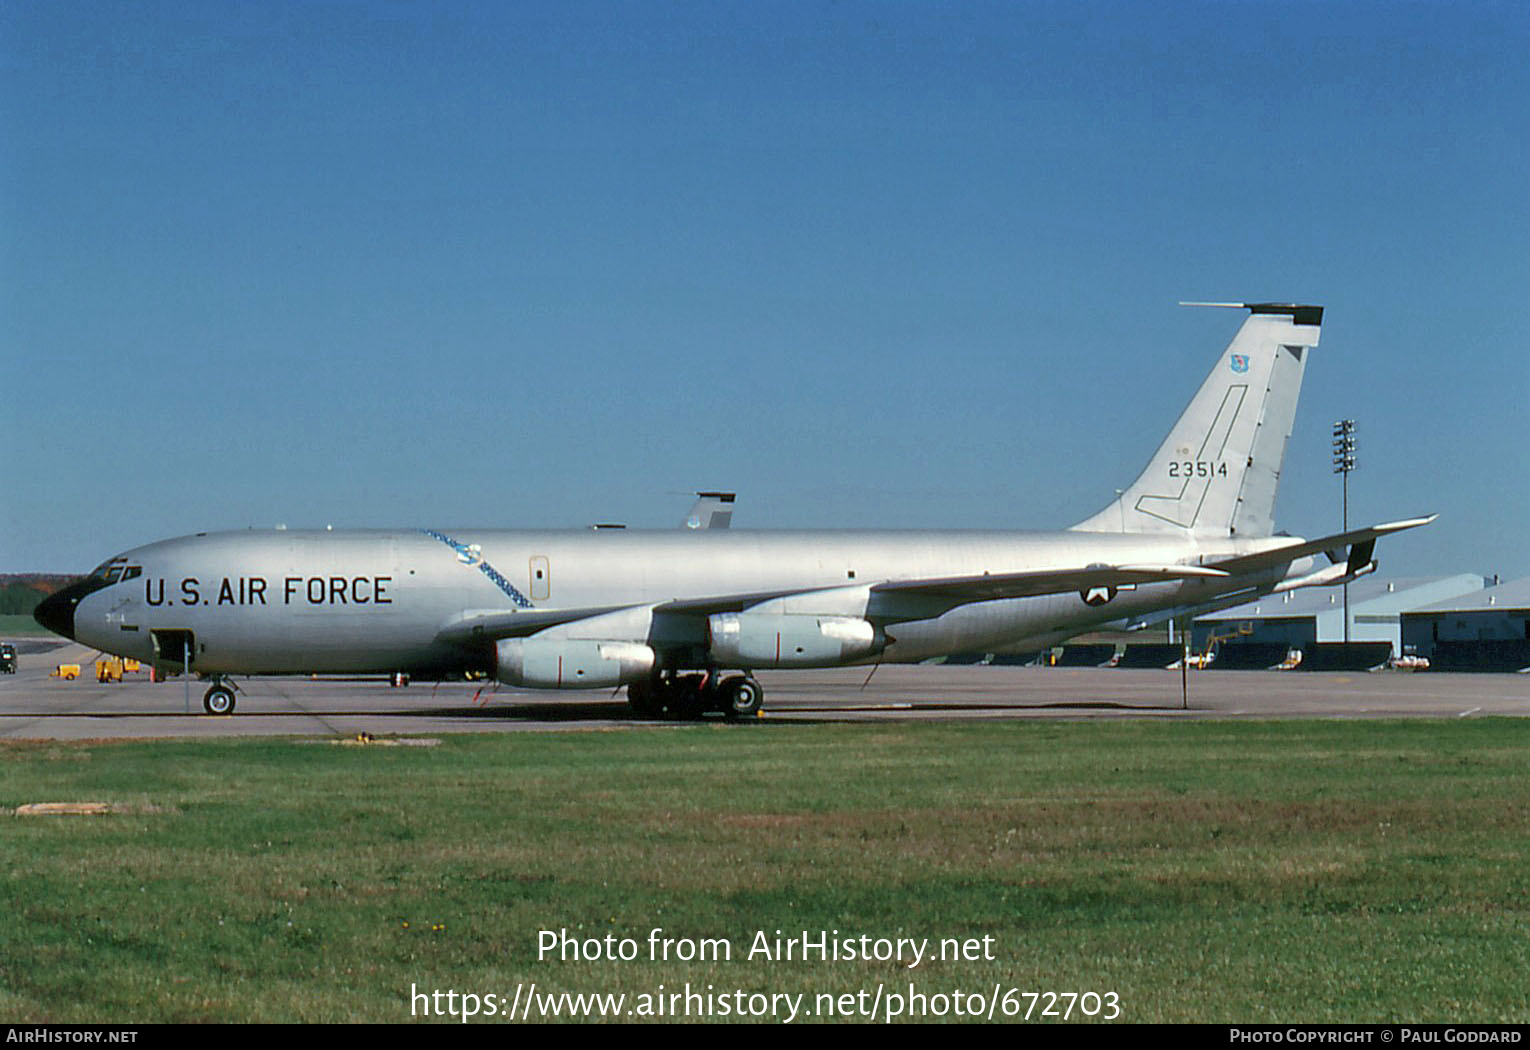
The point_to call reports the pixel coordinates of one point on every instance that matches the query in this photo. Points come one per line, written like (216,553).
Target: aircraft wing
(493,624)
(959,590)
(917,599)
(947,592)
(890,600)
(1361,544)
(723,603)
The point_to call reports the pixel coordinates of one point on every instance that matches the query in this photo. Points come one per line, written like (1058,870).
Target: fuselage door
(174,648)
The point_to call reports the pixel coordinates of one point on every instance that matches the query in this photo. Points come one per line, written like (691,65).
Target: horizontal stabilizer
(1361,541)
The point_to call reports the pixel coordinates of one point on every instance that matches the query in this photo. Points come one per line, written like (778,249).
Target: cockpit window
(115,570)
(110,571)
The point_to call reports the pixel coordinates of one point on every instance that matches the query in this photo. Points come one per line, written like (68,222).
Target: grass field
(21,625)
(1212,871)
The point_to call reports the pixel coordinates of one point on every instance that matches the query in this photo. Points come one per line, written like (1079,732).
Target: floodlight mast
(1344,462)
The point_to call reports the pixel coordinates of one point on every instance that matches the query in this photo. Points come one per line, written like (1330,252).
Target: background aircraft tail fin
(713,510)
(1217,472)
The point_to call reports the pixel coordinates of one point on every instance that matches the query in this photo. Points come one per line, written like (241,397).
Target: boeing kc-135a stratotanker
(684,618)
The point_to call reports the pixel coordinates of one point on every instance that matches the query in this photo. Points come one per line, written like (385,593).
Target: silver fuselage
(613,606)
(283,602)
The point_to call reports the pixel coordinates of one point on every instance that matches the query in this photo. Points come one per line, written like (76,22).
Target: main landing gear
(690,696)
(219,698)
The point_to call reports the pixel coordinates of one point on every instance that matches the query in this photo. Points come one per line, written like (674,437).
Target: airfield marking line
(1473,711)
(305,711)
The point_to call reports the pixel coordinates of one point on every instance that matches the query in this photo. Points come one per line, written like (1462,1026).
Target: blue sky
(906,265)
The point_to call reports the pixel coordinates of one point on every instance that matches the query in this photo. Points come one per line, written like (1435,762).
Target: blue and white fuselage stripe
(472,555)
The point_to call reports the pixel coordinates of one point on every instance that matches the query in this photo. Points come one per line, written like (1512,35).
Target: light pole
(1343,463)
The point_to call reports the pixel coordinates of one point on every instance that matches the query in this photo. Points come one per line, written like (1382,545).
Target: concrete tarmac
(34,705)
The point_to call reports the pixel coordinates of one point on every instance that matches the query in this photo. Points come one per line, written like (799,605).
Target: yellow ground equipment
(65,671)
(1242,630)
(109,669)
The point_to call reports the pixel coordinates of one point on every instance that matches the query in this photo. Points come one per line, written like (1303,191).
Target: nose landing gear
(219,698)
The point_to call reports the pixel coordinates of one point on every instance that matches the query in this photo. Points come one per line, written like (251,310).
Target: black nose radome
(56,612)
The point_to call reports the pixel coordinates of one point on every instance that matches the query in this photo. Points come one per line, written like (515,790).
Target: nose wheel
(219,699)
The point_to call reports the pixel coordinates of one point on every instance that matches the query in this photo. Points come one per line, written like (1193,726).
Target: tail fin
(1217,471)
(713,510)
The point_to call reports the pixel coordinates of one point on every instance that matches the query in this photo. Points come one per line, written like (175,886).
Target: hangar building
(1298,619)
(1484,630)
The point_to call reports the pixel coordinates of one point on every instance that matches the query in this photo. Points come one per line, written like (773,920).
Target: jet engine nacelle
(750,640)
(564,663)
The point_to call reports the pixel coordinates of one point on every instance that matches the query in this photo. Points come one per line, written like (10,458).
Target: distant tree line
(20,594)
